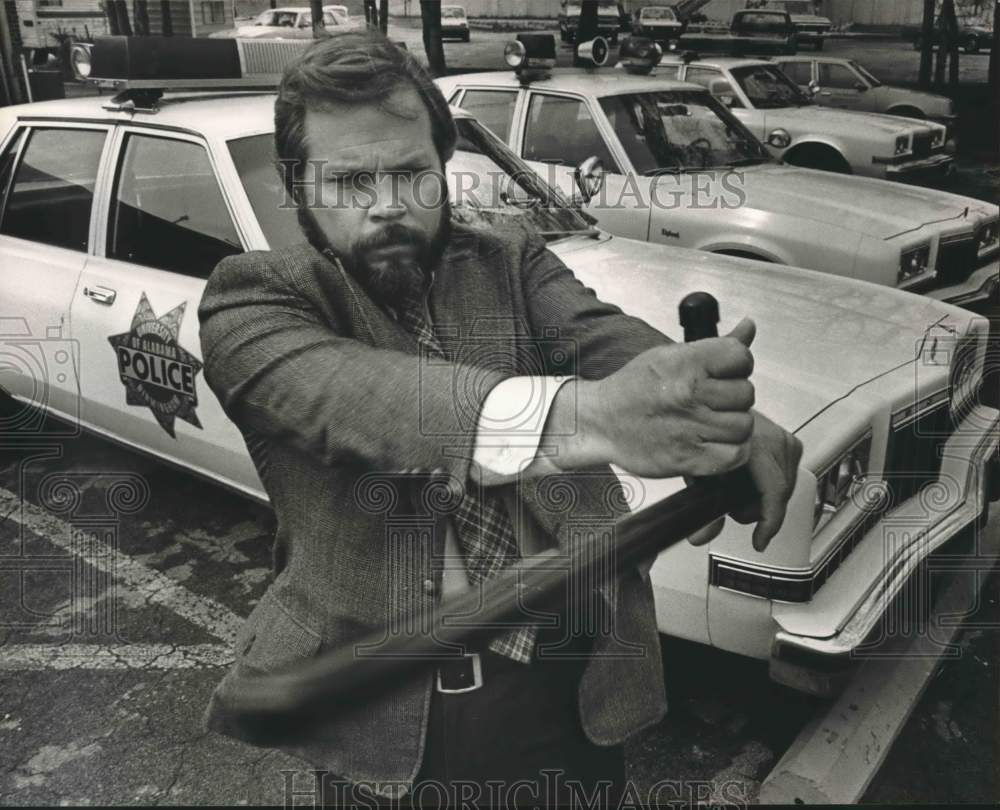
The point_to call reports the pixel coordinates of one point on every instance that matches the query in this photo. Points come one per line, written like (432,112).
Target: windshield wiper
(592,232)
(664,170)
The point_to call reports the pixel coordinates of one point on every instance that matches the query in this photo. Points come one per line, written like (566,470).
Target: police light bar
(163,63)
(639,55)
(531,55)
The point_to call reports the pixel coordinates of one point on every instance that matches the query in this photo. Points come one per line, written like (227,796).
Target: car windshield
(452,11)
(768,88)
(658,13)
(866,73)
(488,186)
(679,130)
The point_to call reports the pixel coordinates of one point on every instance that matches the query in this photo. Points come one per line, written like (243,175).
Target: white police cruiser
(680,169)
(114,212)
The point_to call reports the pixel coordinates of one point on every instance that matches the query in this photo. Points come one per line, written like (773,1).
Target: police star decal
(156,371)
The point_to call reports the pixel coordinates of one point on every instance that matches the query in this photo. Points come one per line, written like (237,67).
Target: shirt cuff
(510,429)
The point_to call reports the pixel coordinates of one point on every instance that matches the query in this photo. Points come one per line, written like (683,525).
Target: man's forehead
(358,132)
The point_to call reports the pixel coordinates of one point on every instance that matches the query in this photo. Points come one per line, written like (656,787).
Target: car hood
(854,203)
(843,122)
(818,336)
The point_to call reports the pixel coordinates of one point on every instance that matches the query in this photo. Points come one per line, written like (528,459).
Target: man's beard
(397,276)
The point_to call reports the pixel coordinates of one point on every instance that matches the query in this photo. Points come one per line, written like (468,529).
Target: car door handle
(100,295)
(825,93)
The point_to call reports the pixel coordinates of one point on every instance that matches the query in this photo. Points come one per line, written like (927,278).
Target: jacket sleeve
(281,370)
(600,338)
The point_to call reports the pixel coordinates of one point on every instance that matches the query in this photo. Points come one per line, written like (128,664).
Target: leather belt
(464,674)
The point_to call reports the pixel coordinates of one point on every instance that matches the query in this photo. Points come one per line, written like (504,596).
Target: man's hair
(352,67)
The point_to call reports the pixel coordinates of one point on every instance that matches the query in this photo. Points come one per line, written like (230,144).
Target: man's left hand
(773,466)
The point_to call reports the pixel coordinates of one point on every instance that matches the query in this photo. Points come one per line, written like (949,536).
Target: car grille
(956,258)
(922,144)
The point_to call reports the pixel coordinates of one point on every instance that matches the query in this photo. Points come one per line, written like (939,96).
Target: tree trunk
(994,83)
(587,29)
(141,18)
(316,9)
(951,28)
(927,45)
(430,15)
(167,17)
(111,12)
(371,14)
(383,16)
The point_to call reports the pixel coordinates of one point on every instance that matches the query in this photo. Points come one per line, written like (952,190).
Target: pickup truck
(611,19)
(751,32)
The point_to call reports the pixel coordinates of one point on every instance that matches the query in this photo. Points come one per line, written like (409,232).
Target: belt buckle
(477,677)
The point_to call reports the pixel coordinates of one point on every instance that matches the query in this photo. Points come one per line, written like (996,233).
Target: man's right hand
(681,409)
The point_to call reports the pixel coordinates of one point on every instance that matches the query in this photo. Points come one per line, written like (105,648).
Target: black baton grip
(699,317)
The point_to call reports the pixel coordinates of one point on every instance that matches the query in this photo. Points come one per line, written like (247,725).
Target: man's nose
(386,204)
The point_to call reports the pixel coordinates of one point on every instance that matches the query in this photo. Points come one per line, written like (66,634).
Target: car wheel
(972,45)
(815,156)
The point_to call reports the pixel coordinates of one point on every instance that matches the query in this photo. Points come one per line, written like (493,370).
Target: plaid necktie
(485,530)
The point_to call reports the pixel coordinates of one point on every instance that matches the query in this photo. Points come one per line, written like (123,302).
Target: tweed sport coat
(329,392)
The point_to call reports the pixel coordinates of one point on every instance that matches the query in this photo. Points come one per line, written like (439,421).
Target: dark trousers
(515,742)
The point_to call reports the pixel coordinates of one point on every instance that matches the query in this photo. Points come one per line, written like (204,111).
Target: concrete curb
(836,755)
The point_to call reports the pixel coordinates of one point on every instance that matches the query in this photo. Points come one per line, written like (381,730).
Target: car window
(705,76)
(167,211)
(798,72)
(836,76)
(768,88)
(52,193)
(679,130)
(702,75)
(668,71)
(493,108)
(7,167)
(562,131)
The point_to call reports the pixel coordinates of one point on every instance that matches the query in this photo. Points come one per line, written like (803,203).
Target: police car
(680,169)
(116,209)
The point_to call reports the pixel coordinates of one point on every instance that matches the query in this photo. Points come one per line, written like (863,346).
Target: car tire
(972,45)
(818,156)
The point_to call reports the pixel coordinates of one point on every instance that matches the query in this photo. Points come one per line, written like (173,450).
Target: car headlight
(902,144)
(840,481)
(913,262)
(987,238)
(779,138)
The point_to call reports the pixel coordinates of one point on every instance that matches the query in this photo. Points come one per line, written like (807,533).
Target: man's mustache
(395,235)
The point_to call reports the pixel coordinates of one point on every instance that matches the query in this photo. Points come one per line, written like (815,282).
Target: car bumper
(821,665)
(811,36)
(982,286)
(933,166)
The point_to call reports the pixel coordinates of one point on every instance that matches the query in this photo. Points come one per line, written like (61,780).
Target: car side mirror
(723,91)
(589,177)
(861,87)
(813,87)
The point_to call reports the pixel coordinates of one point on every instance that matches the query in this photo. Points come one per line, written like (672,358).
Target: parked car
(680,169)
(848,84)
(343,16)
(659,23)
(756,33)
(454,23)
(802,133)
(113,214)
(611,19)
(289,22)
(811,27)
(973,37)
